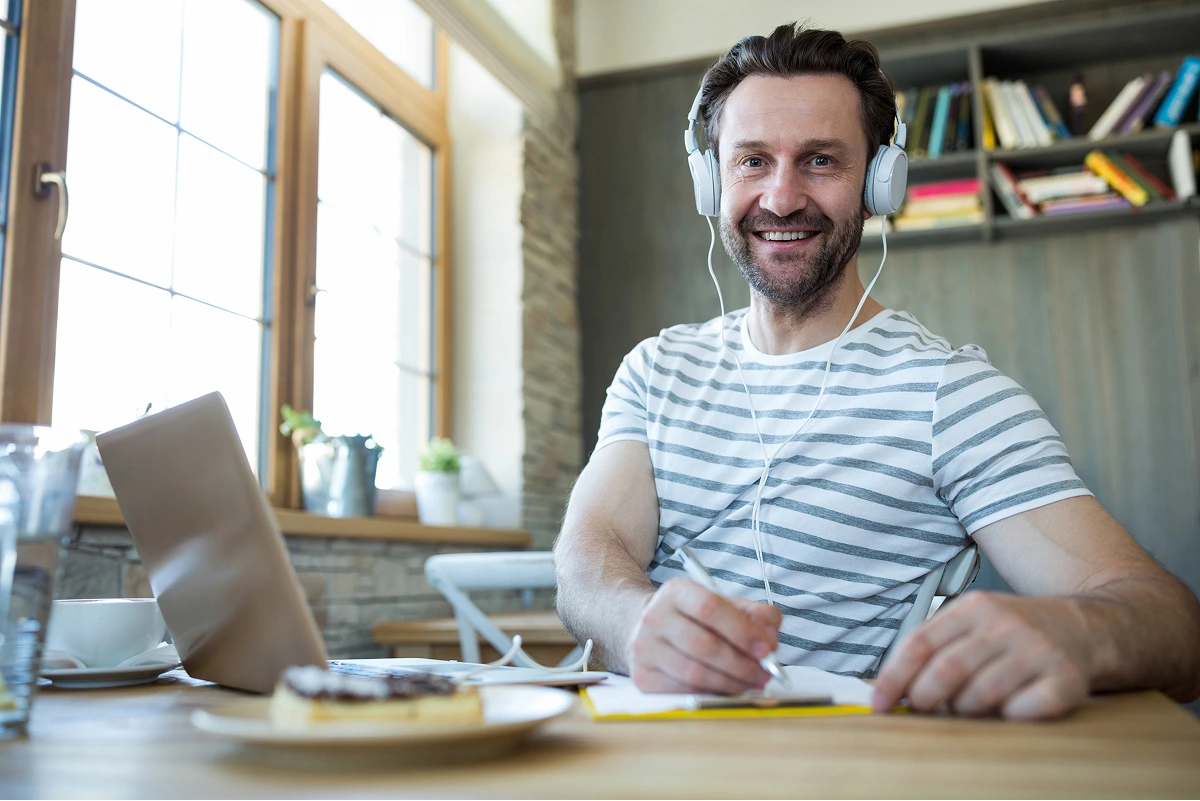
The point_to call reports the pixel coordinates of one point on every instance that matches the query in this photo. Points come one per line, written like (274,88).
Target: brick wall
(351,584)
(552,387)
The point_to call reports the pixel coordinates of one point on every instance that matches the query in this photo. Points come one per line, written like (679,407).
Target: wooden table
(137,742)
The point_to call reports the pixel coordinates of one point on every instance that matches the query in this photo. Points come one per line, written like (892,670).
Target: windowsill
(296,523)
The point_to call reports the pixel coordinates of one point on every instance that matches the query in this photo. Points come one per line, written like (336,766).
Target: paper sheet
(618,696)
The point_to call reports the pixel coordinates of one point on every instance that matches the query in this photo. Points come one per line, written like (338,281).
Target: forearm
(601,590)
(1144,631)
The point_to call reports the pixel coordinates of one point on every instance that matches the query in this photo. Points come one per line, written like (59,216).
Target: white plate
(99,678)
(509,714)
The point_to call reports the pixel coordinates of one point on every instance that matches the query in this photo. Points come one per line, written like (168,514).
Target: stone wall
(552,387)
(351,584)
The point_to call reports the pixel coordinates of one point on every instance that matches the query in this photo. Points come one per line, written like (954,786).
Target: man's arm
(1117,621)
(681,638)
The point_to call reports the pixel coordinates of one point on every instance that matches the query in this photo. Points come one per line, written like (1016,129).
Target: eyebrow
(810,144)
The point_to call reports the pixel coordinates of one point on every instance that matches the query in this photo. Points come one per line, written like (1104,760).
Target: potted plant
(436,484)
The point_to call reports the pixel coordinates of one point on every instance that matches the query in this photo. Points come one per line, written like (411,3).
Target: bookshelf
(1107,51)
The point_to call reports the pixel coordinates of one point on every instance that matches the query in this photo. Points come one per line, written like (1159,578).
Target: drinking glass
(39,469)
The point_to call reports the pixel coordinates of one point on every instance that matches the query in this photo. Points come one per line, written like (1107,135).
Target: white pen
(696,571)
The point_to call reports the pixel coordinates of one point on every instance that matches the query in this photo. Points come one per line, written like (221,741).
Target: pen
(697,573)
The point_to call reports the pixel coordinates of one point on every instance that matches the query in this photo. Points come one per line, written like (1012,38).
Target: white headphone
(883,192)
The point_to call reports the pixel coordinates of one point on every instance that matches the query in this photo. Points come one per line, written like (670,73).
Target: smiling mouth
(784,236)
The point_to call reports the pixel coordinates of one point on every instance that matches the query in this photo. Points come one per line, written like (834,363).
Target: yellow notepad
(618,699)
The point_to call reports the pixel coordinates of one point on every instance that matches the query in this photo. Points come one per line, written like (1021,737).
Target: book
(1005,184)
(1183,168)
(989,129)
(1091,203)
(1073,184)
(943,204)
(962,136)
(1170,113)
(1006,129)
(910,105)
(952,118)
(1119,106)
(1025,134)
(921,121)
(1050,112)
(937,131)
(1123,165)
(1135,118)
(926,221)
(958,186)
(1041,132)
(1149,177)
(1098,162)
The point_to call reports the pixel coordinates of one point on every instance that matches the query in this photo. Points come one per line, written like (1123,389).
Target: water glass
(39,469)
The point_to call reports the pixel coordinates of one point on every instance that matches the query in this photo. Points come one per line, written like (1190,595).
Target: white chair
(944,581)
(454,574)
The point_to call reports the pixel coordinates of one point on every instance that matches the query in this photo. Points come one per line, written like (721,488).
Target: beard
(801,281)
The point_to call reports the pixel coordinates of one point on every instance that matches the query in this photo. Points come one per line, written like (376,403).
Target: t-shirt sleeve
(994,452)
(624,416)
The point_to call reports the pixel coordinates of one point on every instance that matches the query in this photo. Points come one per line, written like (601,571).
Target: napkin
(163,654)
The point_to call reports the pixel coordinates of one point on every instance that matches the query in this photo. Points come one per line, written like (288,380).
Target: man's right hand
(689,639)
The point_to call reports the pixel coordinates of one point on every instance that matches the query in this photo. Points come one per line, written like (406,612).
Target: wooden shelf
(949,234)
(1007,226)
(1153,142)
(294,522)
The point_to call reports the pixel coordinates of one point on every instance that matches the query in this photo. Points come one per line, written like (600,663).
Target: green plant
(302,427)
(440,457)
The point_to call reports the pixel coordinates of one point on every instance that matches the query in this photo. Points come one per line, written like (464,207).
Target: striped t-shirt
(915,446)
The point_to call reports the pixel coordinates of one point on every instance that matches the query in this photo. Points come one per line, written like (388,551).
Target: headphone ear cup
(887,179)
(706,181)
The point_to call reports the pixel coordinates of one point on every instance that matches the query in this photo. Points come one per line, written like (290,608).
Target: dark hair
(793,49)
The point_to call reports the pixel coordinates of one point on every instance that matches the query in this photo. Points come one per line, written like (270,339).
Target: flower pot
(437,498)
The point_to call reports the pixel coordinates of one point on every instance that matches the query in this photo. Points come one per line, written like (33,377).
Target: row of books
(1106,180)
(940,204)
(938,118)
(1016,115)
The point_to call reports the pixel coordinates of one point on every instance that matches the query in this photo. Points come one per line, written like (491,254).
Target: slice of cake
(308,695)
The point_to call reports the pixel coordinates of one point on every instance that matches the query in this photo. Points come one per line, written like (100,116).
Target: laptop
(217,561)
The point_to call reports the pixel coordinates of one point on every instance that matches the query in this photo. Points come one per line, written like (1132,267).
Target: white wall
(627,34)
(485,123)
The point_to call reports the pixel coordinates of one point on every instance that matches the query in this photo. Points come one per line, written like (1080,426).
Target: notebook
(813,692)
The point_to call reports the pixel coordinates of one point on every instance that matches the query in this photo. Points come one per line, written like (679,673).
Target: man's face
(793,161)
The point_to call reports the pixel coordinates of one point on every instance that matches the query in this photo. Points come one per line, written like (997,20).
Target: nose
(785,191)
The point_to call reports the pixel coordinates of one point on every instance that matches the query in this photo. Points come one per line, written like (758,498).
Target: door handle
(44,178)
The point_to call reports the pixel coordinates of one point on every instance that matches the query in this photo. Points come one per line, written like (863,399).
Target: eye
(754,161)
(825,159)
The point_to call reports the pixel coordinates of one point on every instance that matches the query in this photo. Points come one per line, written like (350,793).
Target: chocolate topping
(317,684)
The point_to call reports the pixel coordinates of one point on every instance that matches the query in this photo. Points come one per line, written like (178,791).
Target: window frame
(311,37)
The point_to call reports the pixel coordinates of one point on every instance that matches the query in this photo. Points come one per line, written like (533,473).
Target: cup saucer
(98,678)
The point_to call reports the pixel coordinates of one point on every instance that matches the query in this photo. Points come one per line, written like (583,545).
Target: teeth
(784,236)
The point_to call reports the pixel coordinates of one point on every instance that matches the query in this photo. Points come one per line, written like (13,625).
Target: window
(258,206)
(164,260)
(8,73)
(374,233)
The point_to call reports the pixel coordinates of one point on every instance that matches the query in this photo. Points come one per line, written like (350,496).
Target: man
(916,448)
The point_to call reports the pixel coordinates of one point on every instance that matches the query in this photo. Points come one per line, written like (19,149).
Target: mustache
(797,219)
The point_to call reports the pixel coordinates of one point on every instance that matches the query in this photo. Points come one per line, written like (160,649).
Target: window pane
(111,348)
(214,350)
(373,319)
(228,47)
(216,193)
(132,47)
(121,162)
(398,28)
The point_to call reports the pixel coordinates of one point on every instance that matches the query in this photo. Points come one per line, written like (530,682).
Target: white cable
(768,461)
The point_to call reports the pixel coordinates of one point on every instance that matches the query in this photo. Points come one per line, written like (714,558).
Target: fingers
(764,614)
(752,637)
(913,654)
(695,675)
(950,670)
(1047,698)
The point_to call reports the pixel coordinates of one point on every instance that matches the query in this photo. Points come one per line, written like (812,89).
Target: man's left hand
(990,653)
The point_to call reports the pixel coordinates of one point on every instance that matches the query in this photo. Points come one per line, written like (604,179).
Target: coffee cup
(103,632)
